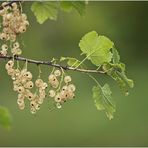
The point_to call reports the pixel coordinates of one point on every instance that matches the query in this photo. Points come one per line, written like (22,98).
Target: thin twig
(49,63)
(8,4)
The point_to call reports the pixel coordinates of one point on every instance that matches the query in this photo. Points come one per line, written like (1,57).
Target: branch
(49,63)
(8,4)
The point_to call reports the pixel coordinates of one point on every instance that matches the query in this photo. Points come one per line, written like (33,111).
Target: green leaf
(72,61)
(5,118)
(103,99)
(128,82)
(97,48)
(116,56)
(45,10)
(66,6)
(120,77)
(79,6)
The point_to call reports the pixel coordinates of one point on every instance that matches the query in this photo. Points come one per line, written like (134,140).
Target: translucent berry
(64,88)
(37,106)
(58,105)
(57,98)
(21,89)
(33,110)
(21,106)
(22,29)
(44,85)
(29,85)
(4,47)
(16,45)
(51,78)
(51,93)
(28,75)
(71,87)
(3,36)
(57,73)
(20,101)
(39,82)
(67,79)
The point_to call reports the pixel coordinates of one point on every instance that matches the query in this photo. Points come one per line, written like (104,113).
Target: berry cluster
(14,22)
(63,94)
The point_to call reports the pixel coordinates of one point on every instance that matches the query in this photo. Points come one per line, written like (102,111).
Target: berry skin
(71,87)
(22,29)
(57,73)
(3,36)
(37,106)
(29,85)
(51,78)
(58,98)
(27,75)
(39,82)
(20,89)
(9,65)
(33,110)
(53,81)
(16,45)
(58,105)
(21,97)
(14,6)
(20,101)
(4,47)
(64,88)
(51,93)
(44,85)
(21,106)
(67,79)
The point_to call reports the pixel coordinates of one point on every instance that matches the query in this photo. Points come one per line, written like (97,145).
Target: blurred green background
(79,123)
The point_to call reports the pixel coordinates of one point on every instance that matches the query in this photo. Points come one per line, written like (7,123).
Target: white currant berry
(52,93)
(24,16)
(71,87)
(29,95)
(57,73)
(40,100)
(44,85)
(10,63)
(21,106)
(67,79)
(21,97)
(29,85)
(64,88)
(58,105)
(55,84)
(4,47)
(37,106)
(3,52)
(39,82)
(33,110)
(20,101)
(27,75)
(2,12)
(3,36)
(21,89)
(14,6)
(57,98)
(22,29)
(16,45)
(51,78)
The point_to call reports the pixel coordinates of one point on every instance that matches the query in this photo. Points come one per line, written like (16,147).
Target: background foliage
(78,123)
